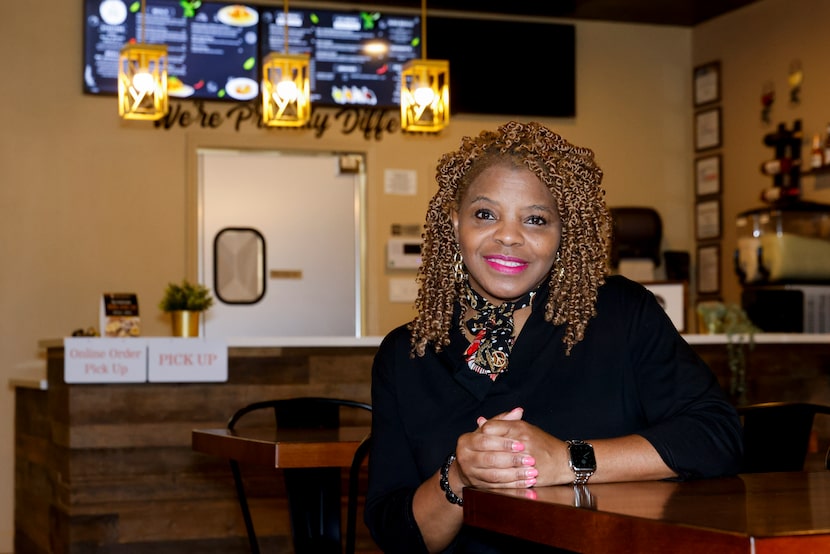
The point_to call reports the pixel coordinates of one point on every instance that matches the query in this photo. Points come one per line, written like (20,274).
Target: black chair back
(315,514)
(302,412)
(777,435)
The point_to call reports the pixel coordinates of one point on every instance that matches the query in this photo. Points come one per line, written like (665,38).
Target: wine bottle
(778,166)
(779,194)
(780,136)
(816,152)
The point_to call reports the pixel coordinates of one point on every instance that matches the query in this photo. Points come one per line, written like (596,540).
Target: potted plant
(731,320)
(185,302)
(740,337)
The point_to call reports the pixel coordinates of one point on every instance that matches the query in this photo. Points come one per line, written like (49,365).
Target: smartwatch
(581,460)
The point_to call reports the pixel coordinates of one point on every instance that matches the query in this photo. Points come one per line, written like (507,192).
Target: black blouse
(632,373)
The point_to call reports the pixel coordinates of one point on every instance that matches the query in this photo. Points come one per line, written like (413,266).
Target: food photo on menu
(212,46)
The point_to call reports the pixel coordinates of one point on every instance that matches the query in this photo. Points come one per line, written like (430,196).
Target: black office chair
(314,493)
(777,435)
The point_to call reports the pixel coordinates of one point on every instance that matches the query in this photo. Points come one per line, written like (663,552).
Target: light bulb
(144,82)
(287,90)
(424,96)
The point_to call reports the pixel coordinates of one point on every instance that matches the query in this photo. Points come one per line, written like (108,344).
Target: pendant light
(425,89)
(286,92)
(142,78)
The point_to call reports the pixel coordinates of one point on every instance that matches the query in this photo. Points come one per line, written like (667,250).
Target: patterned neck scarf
(492,329)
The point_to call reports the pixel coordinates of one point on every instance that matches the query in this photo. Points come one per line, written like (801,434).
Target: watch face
(582,456)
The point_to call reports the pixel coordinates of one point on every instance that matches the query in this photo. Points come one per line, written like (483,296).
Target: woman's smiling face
(508,229)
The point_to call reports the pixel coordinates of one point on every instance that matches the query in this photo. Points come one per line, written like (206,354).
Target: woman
(522,342)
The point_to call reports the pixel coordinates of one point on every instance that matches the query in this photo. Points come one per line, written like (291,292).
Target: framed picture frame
(706,83)
(708,219)
(708,269)
(671,295)
(708,175)
(707,129)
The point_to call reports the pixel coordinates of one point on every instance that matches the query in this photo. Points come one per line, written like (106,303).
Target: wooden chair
(777,435)
(313,493)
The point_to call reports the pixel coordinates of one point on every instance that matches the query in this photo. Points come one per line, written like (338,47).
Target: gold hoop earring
(458,271)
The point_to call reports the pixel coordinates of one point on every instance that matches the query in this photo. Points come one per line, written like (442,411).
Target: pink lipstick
(506,264)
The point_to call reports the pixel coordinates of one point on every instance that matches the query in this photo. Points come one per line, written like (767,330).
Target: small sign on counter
(183,360)
(119,315)
(104,360)
(90,360)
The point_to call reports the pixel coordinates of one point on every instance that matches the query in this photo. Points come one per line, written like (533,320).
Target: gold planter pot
(185,323)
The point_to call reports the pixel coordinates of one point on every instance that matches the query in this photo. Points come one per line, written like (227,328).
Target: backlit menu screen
(356,56)
(212,47)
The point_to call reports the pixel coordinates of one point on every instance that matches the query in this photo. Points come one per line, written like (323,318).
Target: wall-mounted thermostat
(403,253)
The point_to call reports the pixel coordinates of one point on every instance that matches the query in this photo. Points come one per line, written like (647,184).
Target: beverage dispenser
(782,257)
(783,263)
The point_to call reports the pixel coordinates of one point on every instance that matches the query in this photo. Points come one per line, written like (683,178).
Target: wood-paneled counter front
(109,468)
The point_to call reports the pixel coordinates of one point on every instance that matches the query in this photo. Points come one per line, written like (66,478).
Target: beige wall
(89,203)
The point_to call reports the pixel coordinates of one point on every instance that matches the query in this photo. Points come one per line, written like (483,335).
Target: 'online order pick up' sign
(139,360)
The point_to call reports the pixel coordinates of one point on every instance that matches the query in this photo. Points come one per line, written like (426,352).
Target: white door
(306,207)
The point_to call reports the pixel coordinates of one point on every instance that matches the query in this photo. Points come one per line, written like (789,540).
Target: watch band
(581,476)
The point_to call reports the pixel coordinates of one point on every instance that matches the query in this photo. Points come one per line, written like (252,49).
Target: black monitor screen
(212,47)
(507,67)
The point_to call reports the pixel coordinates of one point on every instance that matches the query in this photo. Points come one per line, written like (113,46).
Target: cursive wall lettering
(372,123)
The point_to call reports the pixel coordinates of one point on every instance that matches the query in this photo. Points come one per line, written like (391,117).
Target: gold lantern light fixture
(286,88)
(142,78)
(425,89)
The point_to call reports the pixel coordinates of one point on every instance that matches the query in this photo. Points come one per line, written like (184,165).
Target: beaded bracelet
(445,481)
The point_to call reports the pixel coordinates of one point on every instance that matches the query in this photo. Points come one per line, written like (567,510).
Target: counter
(36,378)
(110,466)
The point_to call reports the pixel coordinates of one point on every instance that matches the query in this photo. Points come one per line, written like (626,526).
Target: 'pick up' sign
(186,361)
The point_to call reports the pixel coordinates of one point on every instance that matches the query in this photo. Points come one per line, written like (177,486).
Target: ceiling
(683,13)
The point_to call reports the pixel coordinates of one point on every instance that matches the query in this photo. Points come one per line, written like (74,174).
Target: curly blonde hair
(574,180)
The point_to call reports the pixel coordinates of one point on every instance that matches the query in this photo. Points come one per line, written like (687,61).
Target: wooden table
(763,513)
(292,448)
(311,460)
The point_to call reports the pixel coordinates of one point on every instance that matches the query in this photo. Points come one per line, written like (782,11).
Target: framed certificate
(708,219)
(708,175)
(707,129)
(708,269)
(706,83)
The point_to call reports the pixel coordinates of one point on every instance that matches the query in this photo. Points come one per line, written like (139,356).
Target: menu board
(216,49)
(356,56)
(212,47)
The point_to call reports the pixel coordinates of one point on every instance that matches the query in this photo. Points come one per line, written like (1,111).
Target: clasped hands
(507,452)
